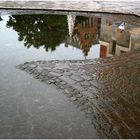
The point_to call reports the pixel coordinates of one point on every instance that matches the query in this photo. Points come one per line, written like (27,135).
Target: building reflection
(114,38)
(85,33)
(114,41)
(71,23)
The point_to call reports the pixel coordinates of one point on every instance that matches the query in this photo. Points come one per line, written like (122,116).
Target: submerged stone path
(107,90)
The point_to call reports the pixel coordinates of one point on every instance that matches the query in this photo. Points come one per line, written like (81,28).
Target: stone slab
(109,6)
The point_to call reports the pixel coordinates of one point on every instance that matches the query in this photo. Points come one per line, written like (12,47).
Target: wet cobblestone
(107,90)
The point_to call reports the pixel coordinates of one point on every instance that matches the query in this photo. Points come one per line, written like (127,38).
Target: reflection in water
(116,39)
(40,30)
(0,18)
(86,34)
(115,81)
(71,23)
(50,31)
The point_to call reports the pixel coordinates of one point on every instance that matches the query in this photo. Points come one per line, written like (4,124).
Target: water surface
(31,109)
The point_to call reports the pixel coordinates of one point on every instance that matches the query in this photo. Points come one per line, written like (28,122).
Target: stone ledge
(108,6)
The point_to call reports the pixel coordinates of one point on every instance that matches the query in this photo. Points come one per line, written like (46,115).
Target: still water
(64,37)
(31,109)
(48,37)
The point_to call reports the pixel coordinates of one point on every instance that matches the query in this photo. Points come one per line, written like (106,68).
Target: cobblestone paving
(107,90)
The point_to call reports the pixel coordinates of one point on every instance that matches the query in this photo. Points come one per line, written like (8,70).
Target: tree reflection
(40,30)
(52,30)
